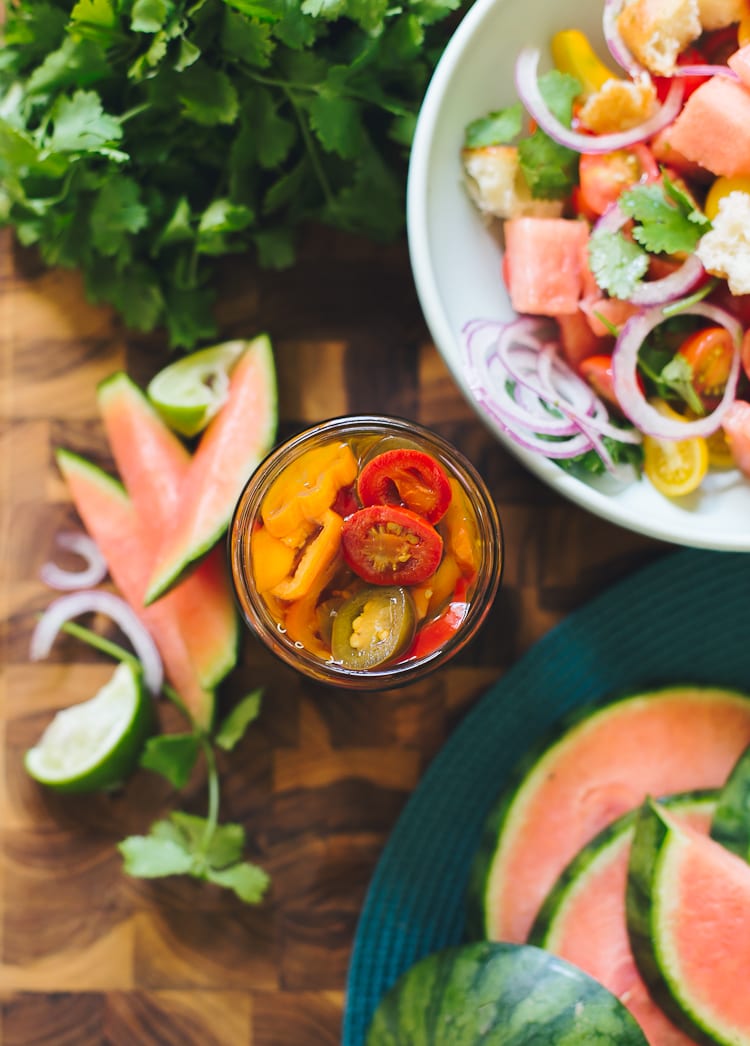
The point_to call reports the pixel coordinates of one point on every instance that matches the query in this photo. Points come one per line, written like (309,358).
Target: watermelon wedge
(113,522)
(583,918)
(229,451)
(599,764)
(499,994)
(153,464)
(688,913)
(731,821)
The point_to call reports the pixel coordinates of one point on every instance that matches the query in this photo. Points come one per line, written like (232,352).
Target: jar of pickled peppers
(365,552)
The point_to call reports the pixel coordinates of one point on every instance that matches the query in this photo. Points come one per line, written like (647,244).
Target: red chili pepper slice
(390,545)
(435,634)
(406,477)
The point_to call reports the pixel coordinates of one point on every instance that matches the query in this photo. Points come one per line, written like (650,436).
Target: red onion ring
(527,86)
(624,373)
(86,601)
(615,44)
(82,545)
(704,70)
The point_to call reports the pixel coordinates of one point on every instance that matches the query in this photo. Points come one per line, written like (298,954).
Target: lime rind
(192,390)
(95,745)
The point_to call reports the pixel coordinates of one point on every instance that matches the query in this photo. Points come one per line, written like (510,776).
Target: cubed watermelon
(739,63)
(546,268)
(712,128)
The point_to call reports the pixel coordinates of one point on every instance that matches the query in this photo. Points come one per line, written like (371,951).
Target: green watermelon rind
(162,581)
(730,824)
(655,837)
(499,993)
(588,860)
(531,767)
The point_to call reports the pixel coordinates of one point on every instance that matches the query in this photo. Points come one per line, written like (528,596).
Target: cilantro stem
(676,307)
(317,166)
(212,817)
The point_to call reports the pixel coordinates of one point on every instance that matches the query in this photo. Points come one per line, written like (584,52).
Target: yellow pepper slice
(307,488)
(461,537)
(432,595)
(271,559)
(316,557)
(573,54)
(301,621)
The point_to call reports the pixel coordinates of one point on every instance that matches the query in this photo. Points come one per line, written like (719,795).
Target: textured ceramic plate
(456,263)
(681,619)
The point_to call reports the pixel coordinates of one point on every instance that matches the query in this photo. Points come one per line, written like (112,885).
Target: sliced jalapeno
(372,627)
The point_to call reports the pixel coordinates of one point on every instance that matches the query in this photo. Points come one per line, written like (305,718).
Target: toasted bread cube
(496,184)
(657,31)
(618,105)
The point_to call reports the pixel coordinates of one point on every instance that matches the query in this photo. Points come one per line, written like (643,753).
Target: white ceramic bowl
(456,263)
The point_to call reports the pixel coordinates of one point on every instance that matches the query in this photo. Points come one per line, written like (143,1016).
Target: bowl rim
(693,531)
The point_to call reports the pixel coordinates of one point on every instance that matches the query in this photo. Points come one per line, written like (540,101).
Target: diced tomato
(709,353)
(736,425)
(597,371)
(605,313)
(604,176)
(577,339)
(690,56)
(390,545)
(746,353)
(406,477)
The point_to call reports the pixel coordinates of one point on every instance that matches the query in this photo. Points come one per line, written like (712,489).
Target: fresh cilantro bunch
(142,139)
(549,169)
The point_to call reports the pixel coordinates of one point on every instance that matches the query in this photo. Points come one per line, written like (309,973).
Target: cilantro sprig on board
(142,139)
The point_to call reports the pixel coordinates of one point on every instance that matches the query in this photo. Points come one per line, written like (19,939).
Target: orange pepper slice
(301,621)
(316,557)
(271,559)
(460,530)
(307,488)
(434,593)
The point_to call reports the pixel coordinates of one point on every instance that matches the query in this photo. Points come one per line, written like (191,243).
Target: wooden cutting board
(90,956)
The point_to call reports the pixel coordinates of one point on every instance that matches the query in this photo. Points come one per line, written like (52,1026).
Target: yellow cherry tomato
(573,54)
(720,189)
(674,467)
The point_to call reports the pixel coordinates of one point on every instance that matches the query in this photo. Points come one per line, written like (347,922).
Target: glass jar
(303,496)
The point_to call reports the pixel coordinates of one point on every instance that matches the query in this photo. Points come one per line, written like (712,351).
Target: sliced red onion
(82,545)
(527,86)
(624,373)
(523,384)
(670,288)
(615,44)
(100,602)
(704,70)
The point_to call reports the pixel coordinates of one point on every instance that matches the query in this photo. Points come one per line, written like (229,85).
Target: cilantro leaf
(149,16)
(116,213)
(236,723)
(207,95)
(81,125)
(247,881)
(551,169)
(666,220)
(497,128)
(617,264)
(677,375)
(173,756)
(150,857)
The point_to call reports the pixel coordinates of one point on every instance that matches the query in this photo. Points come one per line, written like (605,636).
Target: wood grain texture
(89,956)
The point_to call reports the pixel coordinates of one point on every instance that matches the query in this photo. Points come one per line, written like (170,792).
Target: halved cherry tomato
(674,467)
(406,477)
(597,371)
(603,177)
(391,545)
(709,353)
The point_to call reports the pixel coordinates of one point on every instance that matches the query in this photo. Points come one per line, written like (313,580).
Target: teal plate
(685,618)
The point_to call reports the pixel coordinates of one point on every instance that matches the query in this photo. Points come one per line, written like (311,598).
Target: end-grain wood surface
(89,956)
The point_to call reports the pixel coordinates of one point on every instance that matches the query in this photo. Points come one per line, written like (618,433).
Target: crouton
(495,183)
(618,105)
(718,14)
(725,250)
(657,31)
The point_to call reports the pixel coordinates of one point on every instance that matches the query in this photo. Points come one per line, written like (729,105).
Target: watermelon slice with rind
(596,766)
(111,519)
(583,918)
(500,994)
(153,464)
(688,914)
(229,451)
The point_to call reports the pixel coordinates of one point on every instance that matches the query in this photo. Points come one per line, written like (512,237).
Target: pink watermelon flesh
(673,740)
(590,930)
(229,451)
(112,521)
(153,464)
(545,263)
(705,928)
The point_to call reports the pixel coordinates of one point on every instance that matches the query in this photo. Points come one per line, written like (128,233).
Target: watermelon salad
(618,847)
(620,190)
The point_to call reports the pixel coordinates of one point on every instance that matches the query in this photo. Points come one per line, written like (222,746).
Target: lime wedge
(190,391)
(95,745)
